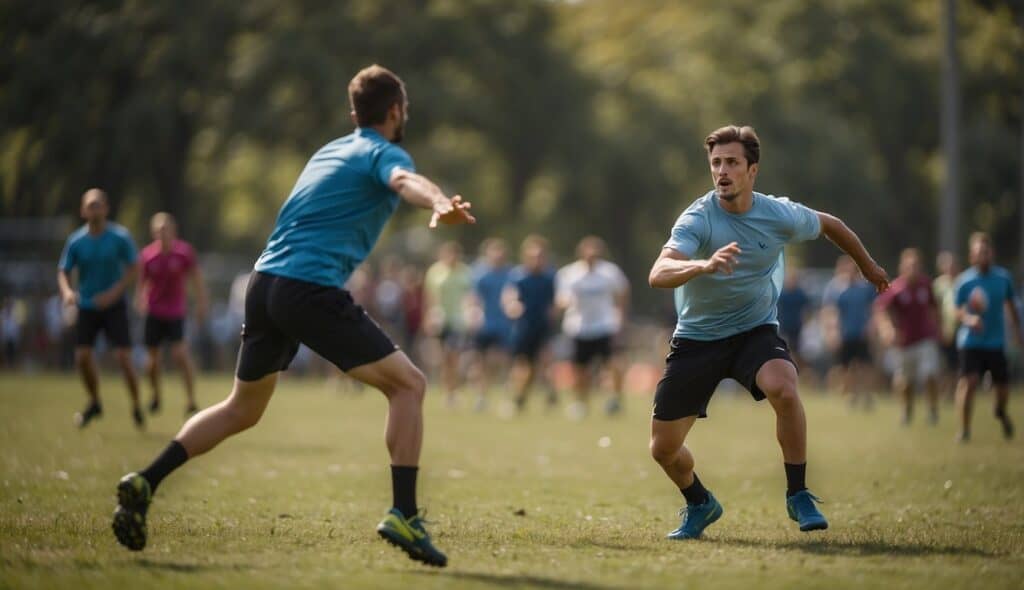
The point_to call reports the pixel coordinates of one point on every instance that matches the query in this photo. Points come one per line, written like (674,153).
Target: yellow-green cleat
(409,535)
(133,498)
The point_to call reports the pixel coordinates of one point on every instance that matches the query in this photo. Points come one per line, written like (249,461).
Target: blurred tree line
(560,118)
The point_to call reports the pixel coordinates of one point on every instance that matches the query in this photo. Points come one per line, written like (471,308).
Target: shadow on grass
(185,568)
(515,580)
(841,547)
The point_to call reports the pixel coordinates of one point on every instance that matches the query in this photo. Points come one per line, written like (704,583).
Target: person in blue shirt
(493,332)
(325,229)
(849,299)
(793,305)
(529,299)
(104,255)
(725,256)
(983,293)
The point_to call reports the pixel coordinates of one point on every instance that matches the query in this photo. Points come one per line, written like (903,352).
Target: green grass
(293,503)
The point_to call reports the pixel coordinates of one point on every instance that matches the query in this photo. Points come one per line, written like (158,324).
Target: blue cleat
(696,518)
(801,508)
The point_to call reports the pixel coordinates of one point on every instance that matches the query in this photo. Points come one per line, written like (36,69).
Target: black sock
(403,489)
(795,474)
(173,457)
(696,493)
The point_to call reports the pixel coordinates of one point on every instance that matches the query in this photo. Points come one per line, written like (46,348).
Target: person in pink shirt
(912,313)
(165,266)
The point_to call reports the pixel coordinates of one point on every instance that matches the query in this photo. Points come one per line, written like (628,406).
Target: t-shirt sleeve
(803,221)
(68,259)
(961,294)
(126,250)
(688,234)
(621,281)
(392,157)
(190,257)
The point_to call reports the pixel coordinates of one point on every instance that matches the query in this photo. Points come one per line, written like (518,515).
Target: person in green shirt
(448,286)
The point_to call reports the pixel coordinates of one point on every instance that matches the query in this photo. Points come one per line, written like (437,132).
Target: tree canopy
(559,118)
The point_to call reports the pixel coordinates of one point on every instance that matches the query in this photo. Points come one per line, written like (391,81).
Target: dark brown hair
(736,134)
(372,92)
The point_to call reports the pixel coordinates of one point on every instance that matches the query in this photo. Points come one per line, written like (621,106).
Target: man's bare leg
(179,352)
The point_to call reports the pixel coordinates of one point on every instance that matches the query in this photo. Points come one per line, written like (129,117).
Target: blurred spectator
(12,319)
(529,300)
(387,297)
(850,298)
(984,294)
(413,311)
(492,326)
(942,287)
(909,312)
(594,293)
(447,287)
(793,307)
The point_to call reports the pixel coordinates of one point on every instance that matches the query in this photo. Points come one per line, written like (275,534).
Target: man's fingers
(433,220)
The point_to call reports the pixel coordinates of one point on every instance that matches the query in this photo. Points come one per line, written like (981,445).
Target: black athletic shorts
(528,340)
(586,350)
(792,339)
(281,313)
(951,356)
(160,330)
(484,341)
(693,369)
(976,361)
(854,350)
(453,338)
(112,321)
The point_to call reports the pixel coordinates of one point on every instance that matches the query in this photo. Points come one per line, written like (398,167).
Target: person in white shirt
(594,294)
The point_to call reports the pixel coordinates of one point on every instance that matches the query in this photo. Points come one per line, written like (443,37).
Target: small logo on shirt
(763,245)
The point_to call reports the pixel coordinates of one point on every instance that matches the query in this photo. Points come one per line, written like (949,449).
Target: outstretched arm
(1011,310)
(418,190)
(673,268)
(842,236)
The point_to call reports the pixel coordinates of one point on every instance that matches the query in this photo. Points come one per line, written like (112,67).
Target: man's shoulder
(701,205)
(150,251)
(119,231)
(77,235)
(1003,273)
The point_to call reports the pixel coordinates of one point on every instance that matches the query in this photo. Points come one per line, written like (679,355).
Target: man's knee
(179,354)
(411,383)
(778,384)
(123,356)
(83,356)
(664,451)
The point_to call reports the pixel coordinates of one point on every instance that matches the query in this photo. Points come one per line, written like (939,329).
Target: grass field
(532,502)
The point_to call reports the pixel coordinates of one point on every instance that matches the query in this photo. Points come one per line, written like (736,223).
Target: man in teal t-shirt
(104,255)
(325,229)
(724,256)
(982,293)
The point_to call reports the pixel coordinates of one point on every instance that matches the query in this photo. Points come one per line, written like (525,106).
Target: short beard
(727,198)
(399,134)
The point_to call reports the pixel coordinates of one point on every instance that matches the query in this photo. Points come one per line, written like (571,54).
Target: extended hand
(877,276)
(70,298)
(452,212)
(723,260)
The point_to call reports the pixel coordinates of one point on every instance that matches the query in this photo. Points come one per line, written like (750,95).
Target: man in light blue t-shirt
(724,256)
(325,229)
(982,294)
(103,254)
